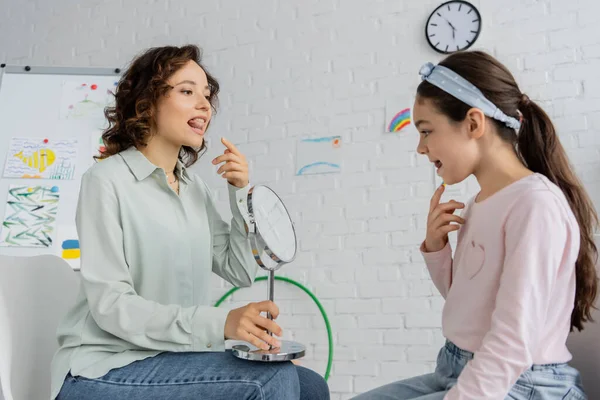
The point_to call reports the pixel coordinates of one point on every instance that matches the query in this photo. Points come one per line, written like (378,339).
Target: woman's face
(183,114)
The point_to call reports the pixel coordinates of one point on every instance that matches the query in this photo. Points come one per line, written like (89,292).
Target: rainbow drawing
(399,121)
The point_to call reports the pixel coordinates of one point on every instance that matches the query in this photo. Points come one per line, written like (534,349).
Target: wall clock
(453,26)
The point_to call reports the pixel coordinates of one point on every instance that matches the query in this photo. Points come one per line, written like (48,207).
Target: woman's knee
(284,383)
(312,385)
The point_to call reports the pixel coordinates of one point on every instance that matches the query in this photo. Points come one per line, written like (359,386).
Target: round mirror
(276,235)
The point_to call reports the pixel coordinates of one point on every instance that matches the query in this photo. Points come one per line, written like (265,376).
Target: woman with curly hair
(151,237)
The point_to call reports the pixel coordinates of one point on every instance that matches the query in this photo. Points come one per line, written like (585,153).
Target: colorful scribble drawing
(319,155)
(85,99)
(30,216)
(41,158)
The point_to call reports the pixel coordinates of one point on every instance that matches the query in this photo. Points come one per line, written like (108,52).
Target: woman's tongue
(196,124)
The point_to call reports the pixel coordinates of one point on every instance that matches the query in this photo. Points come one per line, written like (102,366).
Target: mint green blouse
(147,255)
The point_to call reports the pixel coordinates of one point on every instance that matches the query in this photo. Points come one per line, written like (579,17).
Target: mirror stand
(273,247)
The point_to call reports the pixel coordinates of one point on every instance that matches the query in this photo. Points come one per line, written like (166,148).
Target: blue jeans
(214,376)
(540,382)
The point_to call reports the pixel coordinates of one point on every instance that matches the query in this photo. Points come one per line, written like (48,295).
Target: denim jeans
(214,376)
(540,382)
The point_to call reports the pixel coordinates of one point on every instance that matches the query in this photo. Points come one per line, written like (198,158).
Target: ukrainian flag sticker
(70,249)
(67,245)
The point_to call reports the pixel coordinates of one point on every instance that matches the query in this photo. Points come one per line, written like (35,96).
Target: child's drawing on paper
(97,144)
(30,216)
(86,99)
(319,155)
(41,158)
(397,119)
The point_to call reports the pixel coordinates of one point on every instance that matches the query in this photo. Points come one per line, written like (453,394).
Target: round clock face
(453,26)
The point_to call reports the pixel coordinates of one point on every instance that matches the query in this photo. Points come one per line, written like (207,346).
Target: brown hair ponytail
(541,151)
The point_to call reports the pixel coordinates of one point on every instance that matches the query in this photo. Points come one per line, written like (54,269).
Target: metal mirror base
(287,352)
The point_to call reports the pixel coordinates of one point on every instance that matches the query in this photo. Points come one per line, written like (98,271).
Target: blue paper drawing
(319,155)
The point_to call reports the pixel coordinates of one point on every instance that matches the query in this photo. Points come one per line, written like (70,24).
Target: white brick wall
(322,67)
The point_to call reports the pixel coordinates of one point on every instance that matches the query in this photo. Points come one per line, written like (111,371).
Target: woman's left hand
(235,169)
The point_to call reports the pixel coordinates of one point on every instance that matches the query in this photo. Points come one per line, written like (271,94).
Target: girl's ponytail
(540,149)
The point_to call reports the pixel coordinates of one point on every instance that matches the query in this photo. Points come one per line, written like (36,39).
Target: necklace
(173,182)
(174,177)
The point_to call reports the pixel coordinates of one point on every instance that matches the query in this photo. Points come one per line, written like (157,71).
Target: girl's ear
(475,123)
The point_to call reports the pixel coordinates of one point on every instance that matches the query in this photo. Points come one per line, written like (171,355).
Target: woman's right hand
(247,324)
(439,221)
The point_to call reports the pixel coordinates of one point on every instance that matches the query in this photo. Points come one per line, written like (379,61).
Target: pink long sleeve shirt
(510,288)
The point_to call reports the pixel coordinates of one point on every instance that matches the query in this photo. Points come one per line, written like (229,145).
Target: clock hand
(449,23)
(453,29)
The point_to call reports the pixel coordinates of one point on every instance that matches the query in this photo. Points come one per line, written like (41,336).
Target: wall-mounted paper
(30,216)
(97,144)
(319,155)
(41,158)
(67,245)
(85,99)
(397,118)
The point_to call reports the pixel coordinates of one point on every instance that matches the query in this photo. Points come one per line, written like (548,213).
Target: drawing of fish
(39,160)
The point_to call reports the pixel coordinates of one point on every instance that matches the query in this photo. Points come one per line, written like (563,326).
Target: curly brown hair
(138,91)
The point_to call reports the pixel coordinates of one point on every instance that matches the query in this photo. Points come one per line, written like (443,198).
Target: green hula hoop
(312,296)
